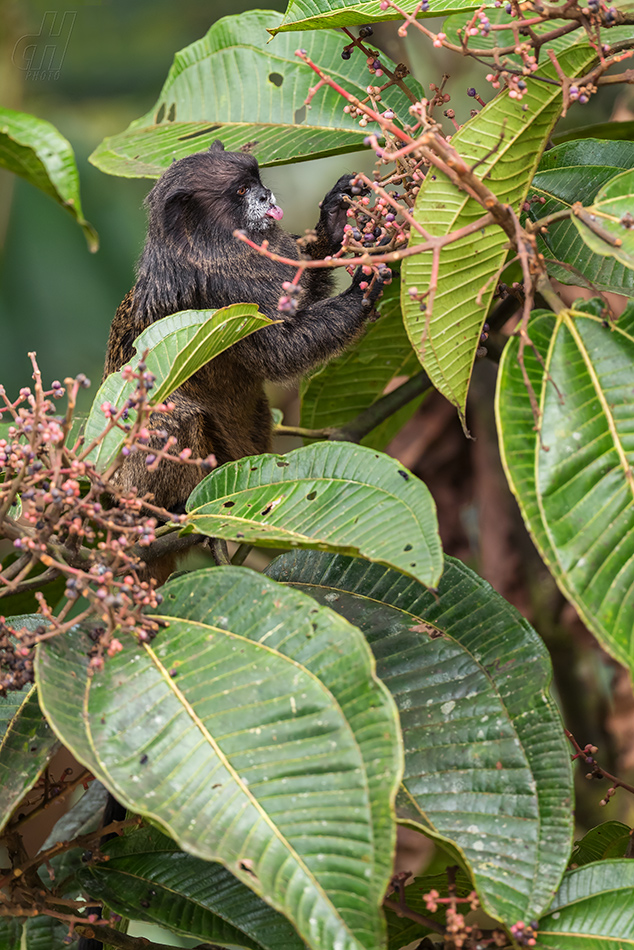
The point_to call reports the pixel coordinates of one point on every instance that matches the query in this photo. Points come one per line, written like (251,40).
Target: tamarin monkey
(192,260)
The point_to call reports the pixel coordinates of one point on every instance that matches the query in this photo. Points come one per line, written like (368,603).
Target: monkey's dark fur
(191,260)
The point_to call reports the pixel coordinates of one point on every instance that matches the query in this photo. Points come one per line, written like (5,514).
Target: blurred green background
(55,297)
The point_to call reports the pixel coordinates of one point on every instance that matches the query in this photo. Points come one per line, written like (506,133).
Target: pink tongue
(275,212)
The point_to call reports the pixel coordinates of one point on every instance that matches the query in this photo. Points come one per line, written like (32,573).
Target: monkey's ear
(178,215)
(216,146)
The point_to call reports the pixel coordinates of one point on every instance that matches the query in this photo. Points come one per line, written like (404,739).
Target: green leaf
(447,341)
(230,728)
(331,495)
(85,816)
(617,131)
(344,387)
(320,14)
(574,172)
(148,878)
(26,742)
(593,909)
(233,85)
(25,602)
(607,840)
(33,149)
(607,226)
(576,494)
(486,762)
(38,933)
(26,746)
(179,345)
(10,933)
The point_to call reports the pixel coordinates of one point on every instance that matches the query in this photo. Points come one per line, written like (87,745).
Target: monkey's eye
(243,190)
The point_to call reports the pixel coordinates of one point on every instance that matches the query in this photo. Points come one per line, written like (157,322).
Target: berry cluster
(581,94)
(525,934)
(75,524)
(460,933)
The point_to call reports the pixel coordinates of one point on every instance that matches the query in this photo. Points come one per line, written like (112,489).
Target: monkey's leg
(170,483)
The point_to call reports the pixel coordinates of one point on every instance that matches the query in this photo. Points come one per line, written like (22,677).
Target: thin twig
(382,409)
(402,910)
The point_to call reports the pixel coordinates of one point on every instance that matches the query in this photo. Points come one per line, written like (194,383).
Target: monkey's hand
(333,215)
(370,287)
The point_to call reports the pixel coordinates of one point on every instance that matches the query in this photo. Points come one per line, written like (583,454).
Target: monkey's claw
(335,206)
(376,283)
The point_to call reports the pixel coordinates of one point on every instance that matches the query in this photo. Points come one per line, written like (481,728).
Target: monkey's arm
(329,234)
(312,335)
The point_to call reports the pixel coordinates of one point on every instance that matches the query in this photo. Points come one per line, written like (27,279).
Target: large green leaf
(232,728)
(346,386)
(233,85)
(332,495)
(607,227)
(320,14)
(576,493)
(607,840)
(447,341)
(179,345)
(486,762)
(147,877)
(33,149)
(593,909)
(575,171)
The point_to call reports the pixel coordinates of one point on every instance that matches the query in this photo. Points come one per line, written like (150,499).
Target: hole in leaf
(171,115)
(195,135)
(282,464)
(311,495)
(247,865)
(276,79)
(229,504)
(160,115)
(413,565)
(300,115)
